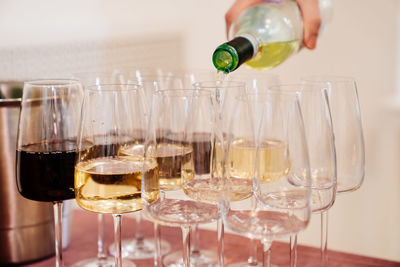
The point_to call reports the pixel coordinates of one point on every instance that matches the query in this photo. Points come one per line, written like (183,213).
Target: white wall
(361,41)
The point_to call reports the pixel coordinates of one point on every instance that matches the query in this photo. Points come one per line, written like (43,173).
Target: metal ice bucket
(26,227)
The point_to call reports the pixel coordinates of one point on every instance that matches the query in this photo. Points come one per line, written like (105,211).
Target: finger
(311,21)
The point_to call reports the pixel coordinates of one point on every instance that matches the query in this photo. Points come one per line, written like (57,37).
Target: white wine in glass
(280,204)
(106,181)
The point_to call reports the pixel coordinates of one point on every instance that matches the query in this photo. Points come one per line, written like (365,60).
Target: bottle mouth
(225,58)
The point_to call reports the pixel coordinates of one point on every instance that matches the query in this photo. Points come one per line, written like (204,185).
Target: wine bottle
(265,35)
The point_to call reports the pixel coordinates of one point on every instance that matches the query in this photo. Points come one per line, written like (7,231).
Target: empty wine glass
(270,161)
(46,145)
(320,141)
(107,180)
(183,122)
(349,141)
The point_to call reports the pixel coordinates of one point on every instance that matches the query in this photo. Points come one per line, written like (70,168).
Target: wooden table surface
(83,244)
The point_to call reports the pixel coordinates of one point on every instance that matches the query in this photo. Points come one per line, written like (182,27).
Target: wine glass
(199,256)
(268,157)
(320,141)
(101,259)
(46,145)
(255,83)
(349,140)
(141,247)
(107,180)
(183,122)
(224,93)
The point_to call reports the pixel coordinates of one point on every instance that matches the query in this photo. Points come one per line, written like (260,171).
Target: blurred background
(44,38)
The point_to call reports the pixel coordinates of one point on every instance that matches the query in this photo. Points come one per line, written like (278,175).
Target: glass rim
(94,74)
(253,76)
(265,95)
(121,87)
(328,79)
(182,92)
(293,88)
(52,82)
(212,84)
(157,77)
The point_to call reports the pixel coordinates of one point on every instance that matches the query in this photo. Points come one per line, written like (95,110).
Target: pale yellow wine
(113,184)
(272,54)
(272,161)
(170,158)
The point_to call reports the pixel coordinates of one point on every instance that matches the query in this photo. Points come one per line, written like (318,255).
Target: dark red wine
(45,171)
(201,144)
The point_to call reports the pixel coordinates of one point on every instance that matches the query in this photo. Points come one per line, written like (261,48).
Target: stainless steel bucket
(26,227)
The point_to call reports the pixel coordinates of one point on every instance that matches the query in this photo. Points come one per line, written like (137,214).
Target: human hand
(309,10)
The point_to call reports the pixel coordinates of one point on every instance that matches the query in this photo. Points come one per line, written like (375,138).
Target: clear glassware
(270,162)
(108,180)
(255,83)
(224,93)
(182,126)
(349,140)
(102,259)
(141,247)
(199,256)
(321,147)
(46,145)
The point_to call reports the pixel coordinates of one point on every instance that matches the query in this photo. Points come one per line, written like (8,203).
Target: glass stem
(117,239)
(267,253)
(293,250)
(220,233)
(196,237)
(101,254)
(57,207)
(138,231)
(186,245)
(324,238)
(157,245)
(252,260)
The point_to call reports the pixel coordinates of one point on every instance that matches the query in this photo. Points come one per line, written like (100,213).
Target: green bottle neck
(230,55)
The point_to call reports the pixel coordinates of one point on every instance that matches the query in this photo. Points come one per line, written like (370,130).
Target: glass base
(203,258)
(135,250)
(246,264)
(107,262)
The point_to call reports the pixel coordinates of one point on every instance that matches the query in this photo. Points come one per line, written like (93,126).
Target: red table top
(83,244)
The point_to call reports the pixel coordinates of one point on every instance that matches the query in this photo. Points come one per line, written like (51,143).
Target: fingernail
(312,42)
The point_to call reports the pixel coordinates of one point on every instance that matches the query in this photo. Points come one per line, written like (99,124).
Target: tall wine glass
(224,92)
(102,259)
(141,247)
(183,124)
(46,145)
(199,256)
(320,141)
(107,180)
(255,83)
(270,161)
(349,139)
